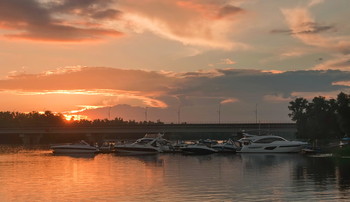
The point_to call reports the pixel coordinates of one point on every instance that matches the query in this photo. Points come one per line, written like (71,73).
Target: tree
(321,118)
(299,114)
(343,112)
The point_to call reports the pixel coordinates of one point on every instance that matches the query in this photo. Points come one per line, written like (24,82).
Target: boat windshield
(269,140)
(144,141)
(245,141)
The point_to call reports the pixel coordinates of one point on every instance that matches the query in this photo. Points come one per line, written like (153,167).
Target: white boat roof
(247,136)
(153,135)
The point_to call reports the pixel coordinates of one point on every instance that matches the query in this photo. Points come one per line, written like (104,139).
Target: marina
(189,100)
(242,142)
(155,143)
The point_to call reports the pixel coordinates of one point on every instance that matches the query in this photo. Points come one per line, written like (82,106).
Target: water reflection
(147,159)
(76,155)
(38,175)
(343,174)
(266,161)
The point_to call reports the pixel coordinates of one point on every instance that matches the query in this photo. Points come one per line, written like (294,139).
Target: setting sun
(75,117)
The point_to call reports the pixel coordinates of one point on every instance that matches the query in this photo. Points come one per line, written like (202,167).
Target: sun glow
(134,95)
(75,117)
(74,114)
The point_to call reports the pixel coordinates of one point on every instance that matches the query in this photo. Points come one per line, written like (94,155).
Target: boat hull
(270,149)
(137,150)
(73,150)
(197,150)
(81,147)
(225,149)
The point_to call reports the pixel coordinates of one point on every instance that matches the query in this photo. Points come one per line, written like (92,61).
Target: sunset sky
(172,60)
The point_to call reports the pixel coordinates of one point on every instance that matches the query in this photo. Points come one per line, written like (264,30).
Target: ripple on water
(36,174)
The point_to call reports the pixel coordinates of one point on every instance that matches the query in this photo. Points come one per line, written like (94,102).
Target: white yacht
(80,147)
(150,143)
(268,144)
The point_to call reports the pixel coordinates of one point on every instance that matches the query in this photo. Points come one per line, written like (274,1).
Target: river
(35,174)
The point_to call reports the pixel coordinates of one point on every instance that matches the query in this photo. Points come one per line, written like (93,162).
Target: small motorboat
(198,148)
(150,143)
(107,147)
(80,147)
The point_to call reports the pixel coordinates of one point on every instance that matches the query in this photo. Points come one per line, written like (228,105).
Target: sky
(195,61)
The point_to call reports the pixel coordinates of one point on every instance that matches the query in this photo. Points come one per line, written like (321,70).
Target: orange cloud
(199,23)
(341,62)
(342,83)
(64,70)
(92,78)
(129,95)
(229,100)
(304,28)
(315,2)
(227,61)
(273,71)
(311,95)
(210,10)
(292,53)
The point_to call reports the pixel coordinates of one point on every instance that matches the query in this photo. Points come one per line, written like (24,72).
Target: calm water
(38,175)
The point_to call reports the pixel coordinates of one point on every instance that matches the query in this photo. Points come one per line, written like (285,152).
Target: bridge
(42,135)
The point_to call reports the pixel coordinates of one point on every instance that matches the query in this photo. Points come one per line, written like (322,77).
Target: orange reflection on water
(43,176)
(38,175)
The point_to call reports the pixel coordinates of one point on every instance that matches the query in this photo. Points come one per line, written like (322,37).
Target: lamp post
(219,113)
(146,114)
(256,113)
(178,115)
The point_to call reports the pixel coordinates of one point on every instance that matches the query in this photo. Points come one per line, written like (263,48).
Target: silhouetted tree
(299,115)
(49,119)
(343,110)
(321,118)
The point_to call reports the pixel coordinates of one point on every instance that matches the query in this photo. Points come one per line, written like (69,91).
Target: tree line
(50,119)
(321,118)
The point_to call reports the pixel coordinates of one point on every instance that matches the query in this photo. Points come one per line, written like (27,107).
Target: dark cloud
(29,19)
(309,28)
(88,8)
(23,11)
(229,10)
(91,78)
(314,28)
(241,84)
(107,14)
(69,5)
(53,32)
(250,85)
(281,31)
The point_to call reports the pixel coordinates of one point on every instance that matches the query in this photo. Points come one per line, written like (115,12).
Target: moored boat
(150,143)
(80,147)
(198,148)
(269,144)
(228,146)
